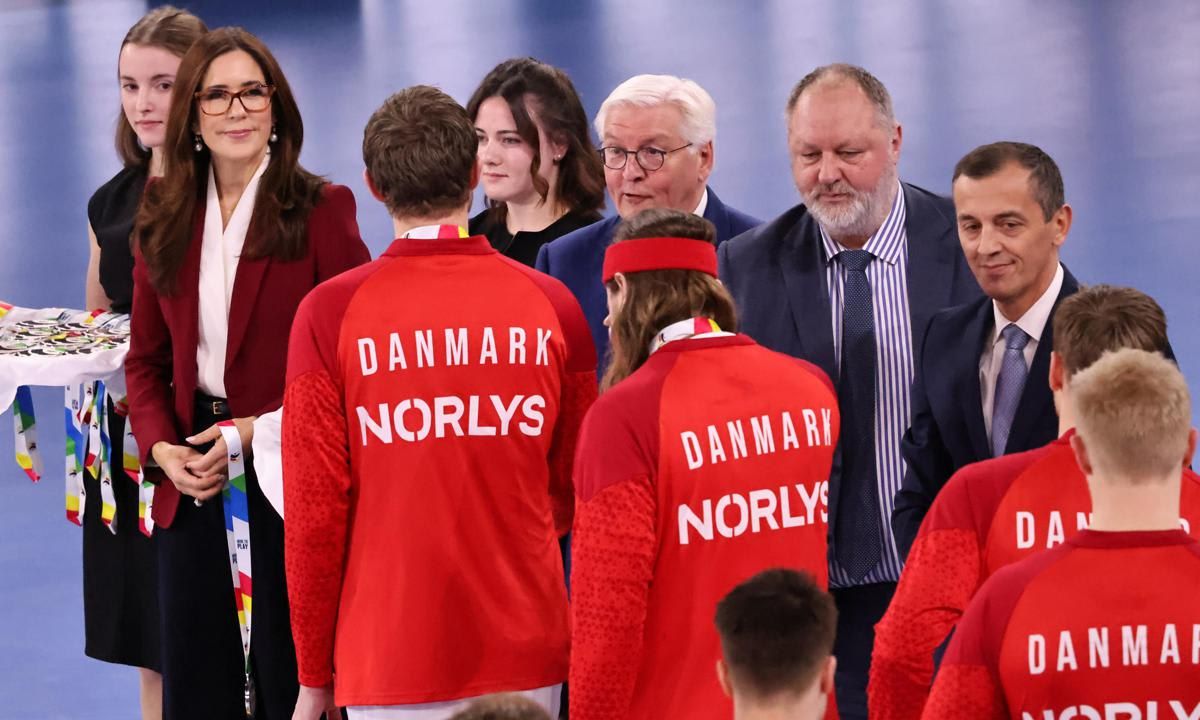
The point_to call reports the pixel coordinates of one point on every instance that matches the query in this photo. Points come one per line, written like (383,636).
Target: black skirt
(120,573)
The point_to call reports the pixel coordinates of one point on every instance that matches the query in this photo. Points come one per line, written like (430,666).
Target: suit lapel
(970,395)
(803,269)
(930,260)
(715,213)
(1036,398)
(246,284)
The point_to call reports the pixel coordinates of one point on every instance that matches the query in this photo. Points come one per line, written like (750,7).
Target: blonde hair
(1133,412)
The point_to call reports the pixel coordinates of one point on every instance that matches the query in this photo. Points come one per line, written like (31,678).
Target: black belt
(215,405)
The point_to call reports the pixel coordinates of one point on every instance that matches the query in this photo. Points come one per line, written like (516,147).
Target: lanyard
(436,232)
(237,535)
(76,399)
(692,327)
(28,455)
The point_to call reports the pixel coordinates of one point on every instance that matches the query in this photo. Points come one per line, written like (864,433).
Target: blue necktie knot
(1014,337)
(855,260)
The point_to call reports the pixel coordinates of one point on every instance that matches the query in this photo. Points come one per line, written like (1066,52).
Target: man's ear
(827,674)
(1058,373)
(1081,454)
(723,678)
(371,186)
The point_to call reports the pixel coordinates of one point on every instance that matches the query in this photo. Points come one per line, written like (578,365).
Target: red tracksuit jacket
(433,402)
(991,514)
(707,465)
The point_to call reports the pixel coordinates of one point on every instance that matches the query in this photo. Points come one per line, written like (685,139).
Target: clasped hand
(197,475)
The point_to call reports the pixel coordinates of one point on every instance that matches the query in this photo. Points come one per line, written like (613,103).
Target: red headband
(661,253)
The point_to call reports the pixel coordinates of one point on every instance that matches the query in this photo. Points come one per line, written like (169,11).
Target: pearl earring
(274,136)
(199,144)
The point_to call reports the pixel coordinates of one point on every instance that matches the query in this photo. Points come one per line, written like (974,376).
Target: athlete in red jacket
(996,512)
(1107,624)
(705,461)
(433,401)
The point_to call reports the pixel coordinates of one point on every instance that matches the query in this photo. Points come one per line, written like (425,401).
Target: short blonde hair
(1133,412)
(699,124)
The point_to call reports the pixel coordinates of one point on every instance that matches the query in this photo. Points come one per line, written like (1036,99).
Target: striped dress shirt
(888,276)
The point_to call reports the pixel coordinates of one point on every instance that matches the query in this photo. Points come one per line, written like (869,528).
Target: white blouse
(219,252)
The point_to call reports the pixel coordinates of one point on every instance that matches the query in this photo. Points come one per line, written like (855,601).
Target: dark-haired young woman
(120,567)
(229,241)
(538,167)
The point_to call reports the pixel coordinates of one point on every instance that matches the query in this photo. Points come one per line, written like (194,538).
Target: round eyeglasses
(218,101)
(648,158)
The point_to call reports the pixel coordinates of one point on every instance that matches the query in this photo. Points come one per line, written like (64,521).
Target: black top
(523,247)
(111,213)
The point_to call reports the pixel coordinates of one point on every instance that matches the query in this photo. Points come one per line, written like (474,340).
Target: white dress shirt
(221,245)
(699,211)
(1033,322)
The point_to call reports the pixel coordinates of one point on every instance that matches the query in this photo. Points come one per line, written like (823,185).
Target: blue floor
(1110,88)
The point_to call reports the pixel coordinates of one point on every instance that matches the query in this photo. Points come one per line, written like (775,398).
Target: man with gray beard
(846,280)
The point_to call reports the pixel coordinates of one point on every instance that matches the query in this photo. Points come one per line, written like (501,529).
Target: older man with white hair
(848,280)
(656,135)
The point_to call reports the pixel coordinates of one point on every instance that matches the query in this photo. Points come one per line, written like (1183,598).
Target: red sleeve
(942,573)
(968,683)
(612,565)
(316,489)
(578,391)
(149,368)
(578,394)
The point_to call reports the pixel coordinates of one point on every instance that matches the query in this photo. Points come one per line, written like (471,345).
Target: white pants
(547,697)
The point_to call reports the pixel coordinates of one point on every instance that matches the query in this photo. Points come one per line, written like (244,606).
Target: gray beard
(865,214)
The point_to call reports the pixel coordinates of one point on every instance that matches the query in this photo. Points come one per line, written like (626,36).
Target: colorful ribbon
(108,500)
(74,408)
(237,535)
(28,455)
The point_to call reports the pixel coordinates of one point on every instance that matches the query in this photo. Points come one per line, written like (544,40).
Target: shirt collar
(699,212)
(887,243)
(1033,322)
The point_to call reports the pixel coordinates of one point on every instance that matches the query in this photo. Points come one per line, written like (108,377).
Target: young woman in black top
(120,569)
(539,169)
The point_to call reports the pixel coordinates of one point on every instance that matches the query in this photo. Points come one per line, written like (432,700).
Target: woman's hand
(313,701)
(174,459)
(215,460)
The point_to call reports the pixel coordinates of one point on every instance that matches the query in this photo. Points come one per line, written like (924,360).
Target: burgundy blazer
(160,369)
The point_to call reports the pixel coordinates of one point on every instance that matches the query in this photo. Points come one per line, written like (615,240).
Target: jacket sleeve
(968,683)
(613,560)
(149,368)
(942,573)
(928,464)
(316,488)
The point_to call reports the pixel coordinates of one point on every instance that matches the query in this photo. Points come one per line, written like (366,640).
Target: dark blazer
(577,259)
(948,430)
(160,369)
(776,273)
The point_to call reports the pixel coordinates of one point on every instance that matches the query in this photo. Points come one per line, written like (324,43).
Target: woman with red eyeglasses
(228,242)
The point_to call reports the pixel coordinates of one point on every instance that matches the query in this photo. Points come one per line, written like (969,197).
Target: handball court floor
(1110,88)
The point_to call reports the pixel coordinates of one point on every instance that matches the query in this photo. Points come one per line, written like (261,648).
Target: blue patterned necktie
(1009,384)
(857,543)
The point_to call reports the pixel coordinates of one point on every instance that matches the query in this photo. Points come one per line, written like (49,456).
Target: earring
(199,144)
(274,136)
(558,158)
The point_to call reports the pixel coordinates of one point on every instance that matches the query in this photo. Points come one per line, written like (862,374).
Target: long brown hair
(286,193)
(656,298)
(528,84)
(173,30)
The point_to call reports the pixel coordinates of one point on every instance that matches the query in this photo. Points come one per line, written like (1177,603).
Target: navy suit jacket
(776,274)
(948,428)
(577,259)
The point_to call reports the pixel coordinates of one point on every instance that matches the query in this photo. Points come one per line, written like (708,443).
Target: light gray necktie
(1009,384)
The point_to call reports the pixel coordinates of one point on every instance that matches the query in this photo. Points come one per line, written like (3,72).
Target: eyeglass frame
(635,153)
(235,96)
